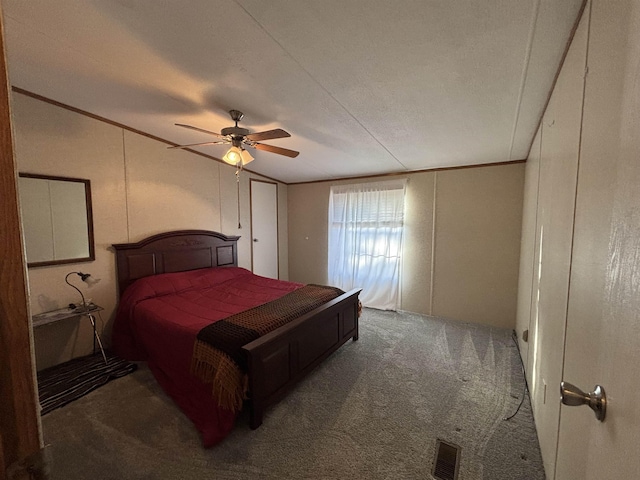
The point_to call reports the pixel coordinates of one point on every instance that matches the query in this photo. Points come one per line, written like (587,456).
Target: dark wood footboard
(280,359)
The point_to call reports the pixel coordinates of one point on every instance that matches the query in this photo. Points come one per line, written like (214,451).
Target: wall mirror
(57,219)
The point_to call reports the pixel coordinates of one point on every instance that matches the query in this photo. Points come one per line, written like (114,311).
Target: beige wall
(477,244)
(461,245)
(139,188)
(415,288)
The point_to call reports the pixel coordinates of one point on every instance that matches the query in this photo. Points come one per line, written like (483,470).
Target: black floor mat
(69,381)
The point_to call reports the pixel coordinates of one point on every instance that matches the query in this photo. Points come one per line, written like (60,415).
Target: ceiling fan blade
(198,144)
(268,135)
(281,151)
(219,135)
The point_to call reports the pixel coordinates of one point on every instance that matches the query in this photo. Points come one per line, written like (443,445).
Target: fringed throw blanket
(218,356)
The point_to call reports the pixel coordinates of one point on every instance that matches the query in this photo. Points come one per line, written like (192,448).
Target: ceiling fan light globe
(246,157)
(233,156)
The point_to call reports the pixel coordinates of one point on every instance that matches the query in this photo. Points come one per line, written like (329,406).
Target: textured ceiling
(364,86)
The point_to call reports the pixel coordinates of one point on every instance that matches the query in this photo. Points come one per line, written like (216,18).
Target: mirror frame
(90,239)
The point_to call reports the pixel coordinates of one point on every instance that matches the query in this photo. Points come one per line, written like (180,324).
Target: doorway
(264,228)
(20,430)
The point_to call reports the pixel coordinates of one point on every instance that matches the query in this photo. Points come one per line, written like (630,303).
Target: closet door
(264,228)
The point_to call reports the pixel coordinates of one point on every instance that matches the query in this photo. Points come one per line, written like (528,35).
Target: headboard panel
(176,251)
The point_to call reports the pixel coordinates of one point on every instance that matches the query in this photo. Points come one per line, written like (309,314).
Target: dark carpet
(64,383)
(375,409)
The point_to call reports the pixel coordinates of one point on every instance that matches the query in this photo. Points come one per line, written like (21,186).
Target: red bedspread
(159,317)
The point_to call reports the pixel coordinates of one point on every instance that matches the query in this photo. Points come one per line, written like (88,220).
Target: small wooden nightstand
(64,313)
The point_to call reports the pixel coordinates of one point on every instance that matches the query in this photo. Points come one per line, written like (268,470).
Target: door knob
(255,239)
(573,396)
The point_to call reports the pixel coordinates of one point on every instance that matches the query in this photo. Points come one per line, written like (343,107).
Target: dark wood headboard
(176,251)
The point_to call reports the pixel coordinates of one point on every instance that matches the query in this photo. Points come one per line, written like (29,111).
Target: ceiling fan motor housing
(235,132)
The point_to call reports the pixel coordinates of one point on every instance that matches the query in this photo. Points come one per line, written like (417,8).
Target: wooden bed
(277,360)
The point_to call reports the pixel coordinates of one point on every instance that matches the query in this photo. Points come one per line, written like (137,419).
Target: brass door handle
(573,396)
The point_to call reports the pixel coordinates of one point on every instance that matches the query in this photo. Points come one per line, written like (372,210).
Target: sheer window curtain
(365,240)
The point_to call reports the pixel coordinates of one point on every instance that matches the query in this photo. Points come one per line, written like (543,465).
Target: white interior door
(264,228)
(603,316)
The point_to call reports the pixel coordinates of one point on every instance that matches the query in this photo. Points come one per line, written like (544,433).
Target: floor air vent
(447,461)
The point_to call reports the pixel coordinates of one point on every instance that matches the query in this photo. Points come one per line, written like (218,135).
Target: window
(365,240)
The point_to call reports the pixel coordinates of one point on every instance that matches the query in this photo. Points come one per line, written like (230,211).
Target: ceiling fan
(240,137)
